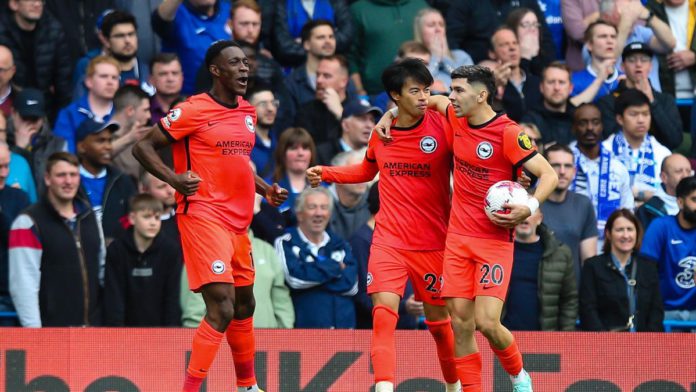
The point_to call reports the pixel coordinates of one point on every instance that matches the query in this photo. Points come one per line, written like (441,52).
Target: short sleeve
(517,146)
(180,122)
(589,229)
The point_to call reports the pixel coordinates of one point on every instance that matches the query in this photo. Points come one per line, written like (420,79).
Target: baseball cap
(635,47)
(90,126)
(30,102)
(358,108)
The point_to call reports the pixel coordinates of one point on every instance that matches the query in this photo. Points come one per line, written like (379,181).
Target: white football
(504,192)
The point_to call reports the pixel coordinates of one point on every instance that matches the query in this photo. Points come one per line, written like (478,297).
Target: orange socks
(469,371)
(240,337)
(444,341)
(383,346)
(206,342)
(510,358)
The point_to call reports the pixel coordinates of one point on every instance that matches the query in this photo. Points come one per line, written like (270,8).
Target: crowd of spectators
(603,88)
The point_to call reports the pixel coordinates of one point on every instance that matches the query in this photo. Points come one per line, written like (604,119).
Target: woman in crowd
(429,29)
(294,154)
(525,24)
(619,289)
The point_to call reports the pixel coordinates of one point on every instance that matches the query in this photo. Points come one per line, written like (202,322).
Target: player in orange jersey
(212,135)
(411,224)
(488,147)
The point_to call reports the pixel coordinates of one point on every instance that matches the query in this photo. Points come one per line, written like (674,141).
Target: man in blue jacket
(319,266)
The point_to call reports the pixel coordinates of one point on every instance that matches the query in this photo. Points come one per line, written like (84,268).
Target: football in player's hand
(504,192)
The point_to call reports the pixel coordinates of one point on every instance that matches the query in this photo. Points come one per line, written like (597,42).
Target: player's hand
(383,128)
(524,180)
(516,215)
(186,183)
(314,175)
(413,307)
(276,195)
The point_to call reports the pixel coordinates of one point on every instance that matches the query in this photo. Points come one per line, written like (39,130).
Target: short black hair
(308,27)
(555,148)
(116,18)
(260,88)
(630,97)
(128,95)
(373,198)
(216,47)
(395,75)
(477,74)
(685,187)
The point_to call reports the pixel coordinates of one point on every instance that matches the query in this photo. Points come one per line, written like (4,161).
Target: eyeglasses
(529,25)
(638,59)
(266,104)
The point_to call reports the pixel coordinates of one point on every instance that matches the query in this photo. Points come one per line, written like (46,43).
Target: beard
(689,215)
(122,58)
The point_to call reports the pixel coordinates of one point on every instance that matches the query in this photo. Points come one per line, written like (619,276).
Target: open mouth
(243,80)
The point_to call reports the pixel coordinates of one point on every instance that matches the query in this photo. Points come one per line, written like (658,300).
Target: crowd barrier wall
(130,360)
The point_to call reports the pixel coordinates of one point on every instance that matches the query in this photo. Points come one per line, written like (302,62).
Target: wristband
(533,204)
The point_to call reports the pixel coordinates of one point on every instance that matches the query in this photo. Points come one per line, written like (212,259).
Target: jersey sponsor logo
(174,114)
(428,144)
(470,170)
(524,141)
(484,150)
(249,121)
(218,267)
(685,279)
(370,279)
(234,147)
(407,169)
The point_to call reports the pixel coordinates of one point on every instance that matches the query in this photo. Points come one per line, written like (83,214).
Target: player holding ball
(488,147)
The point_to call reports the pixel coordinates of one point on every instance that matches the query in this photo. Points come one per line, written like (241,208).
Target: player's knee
(487,325)
(246,309)
(463,325)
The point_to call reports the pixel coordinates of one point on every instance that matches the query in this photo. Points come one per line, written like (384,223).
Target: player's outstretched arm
(350,174)
(275,194)
(145,151)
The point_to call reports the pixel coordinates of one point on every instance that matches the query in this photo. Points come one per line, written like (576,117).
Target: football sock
(469,370)
(206,342)
(444,341)
(383,351)
(384,386)
(510,358)
(240,337)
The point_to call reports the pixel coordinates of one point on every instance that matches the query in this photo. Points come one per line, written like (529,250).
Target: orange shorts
(213,254)
(389,268)
(476,267)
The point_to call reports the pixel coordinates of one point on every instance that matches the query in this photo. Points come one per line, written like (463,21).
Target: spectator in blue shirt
(319,266)
(671,242)
(600,77)
(102,81)
(187,27)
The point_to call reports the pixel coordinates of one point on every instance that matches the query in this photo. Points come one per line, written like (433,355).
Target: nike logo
(200,30)
(211,123)
(675,242)
(488,287)
(32,102)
